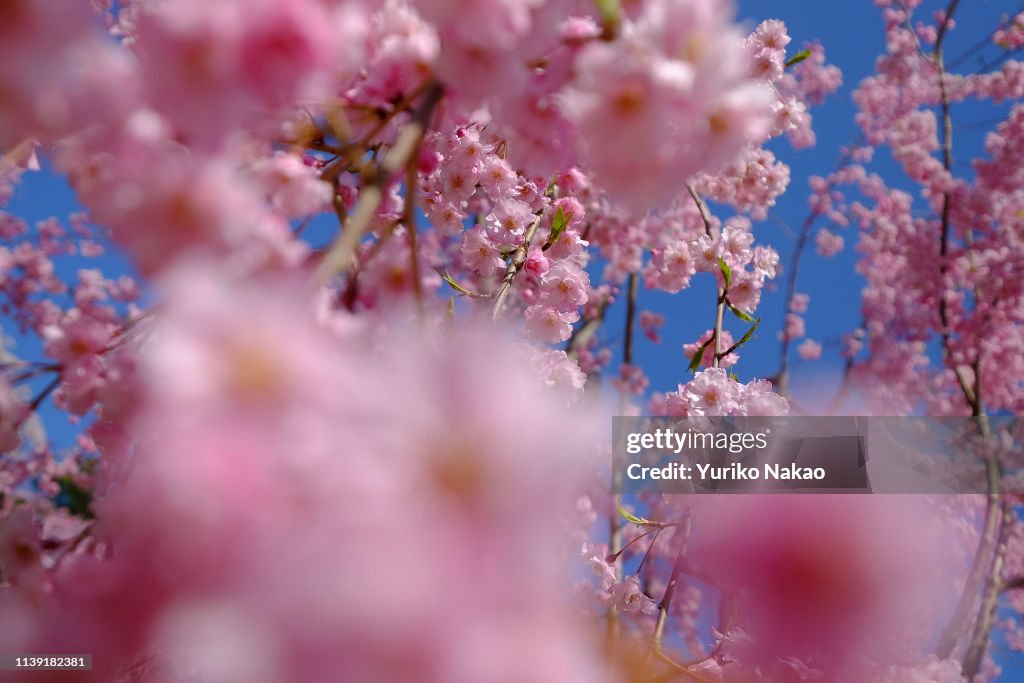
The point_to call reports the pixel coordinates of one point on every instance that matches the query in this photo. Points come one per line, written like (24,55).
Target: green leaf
(77,500)
(733,376)
(699,355)
(629,516)
(745,317)
(610,11)
(446,276)
(726,272)
(797,58)
(558,225)
(559,222)
(749,333)
(450,312)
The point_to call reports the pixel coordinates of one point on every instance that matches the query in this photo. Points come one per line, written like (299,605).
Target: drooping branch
(678,565)
(986,567)
(338,258)
(793,271)
(631,294)
(409,219)
(716,343)
(782,378)
(994,586)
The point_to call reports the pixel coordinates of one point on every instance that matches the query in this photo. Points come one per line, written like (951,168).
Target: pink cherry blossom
(509,220)
(828,243)
(711,392)
(549,325)
(650,87)
(628,597)
(809,349)
(11,412)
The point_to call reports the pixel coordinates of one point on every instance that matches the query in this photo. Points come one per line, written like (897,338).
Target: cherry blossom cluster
(1012,35)
(912,262)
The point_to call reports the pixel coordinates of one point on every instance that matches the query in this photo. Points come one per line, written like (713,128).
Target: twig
(348,296)
(409,218)
(782,377)
(515,264)
(350,153)
(582,335)
(721,302)
(631,295)
(41,396)
(793,271)
(1015,583)
(670,588)
(338,259)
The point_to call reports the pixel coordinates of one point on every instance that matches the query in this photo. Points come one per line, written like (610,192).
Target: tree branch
(998,514)
(515,264)
(631,294)
(670,588)
(338,258)
(994,586)
(720,305)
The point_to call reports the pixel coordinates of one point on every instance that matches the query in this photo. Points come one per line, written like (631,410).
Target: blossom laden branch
(716,339)
(338,258)
(515,264)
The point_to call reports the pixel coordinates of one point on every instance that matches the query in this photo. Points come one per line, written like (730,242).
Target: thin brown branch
(351,291)
(793,271)
(409,219)
(1016,583)
(986,567)
(582,335)
(338,259)
(670,588)
(41,396)
(515,264)
(990,597)
(705,216)
(632,285)
(350,153)
(782,377)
